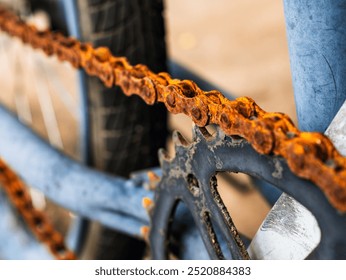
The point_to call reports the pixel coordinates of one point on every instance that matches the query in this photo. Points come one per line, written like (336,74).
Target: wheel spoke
(59,89)
(45,101)
(20,95)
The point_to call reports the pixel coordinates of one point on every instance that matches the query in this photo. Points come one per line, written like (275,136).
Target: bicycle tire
(125,133)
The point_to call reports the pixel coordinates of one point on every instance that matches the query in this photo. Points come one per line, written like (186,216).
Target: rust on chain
(36,220)
(309,155)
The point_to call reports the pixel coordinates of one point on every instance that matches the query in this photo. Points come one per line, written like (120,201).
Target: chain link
(309,155)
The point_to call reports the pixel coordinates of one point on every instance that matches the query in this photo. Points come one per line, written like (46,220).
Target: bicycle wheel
(123,133)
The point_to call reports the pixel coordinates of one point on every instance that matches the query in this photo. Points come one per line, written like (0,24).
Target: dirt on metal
(309,155)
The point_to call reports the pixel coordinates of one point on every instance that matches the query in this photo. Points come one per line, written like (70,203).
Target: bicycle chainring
(189,177)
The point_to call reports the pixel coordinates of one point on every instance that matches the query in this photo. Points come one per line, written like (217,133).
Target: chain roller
(309,155)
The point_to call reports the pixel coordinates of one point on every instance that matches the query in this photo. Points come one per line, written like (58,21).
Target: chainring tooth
(183,180)
(179,140)
(242,116)
(164,158)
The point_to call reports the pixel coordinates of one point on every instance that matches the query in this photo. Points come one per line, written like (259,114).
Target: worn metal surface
(210,154)
(286,236)
(307,154)
(186,178)
(317,39)
(289,232)
(65,181)
(316,33)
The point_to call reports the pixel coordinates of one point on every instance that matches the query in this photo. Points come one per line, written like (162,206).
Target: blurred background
(238,45)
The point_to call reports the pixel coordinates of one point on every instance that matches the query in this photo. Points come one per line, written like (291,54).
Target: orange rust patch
(309,155)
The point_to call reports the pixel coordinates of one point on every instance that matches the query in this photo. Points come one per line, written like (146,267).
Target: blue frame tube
(316,32)
(113,201)
(16,243)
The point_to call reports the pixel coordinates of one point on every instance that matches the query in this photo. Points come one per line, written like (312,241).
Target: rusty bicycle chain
(37,220)
(309,155)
